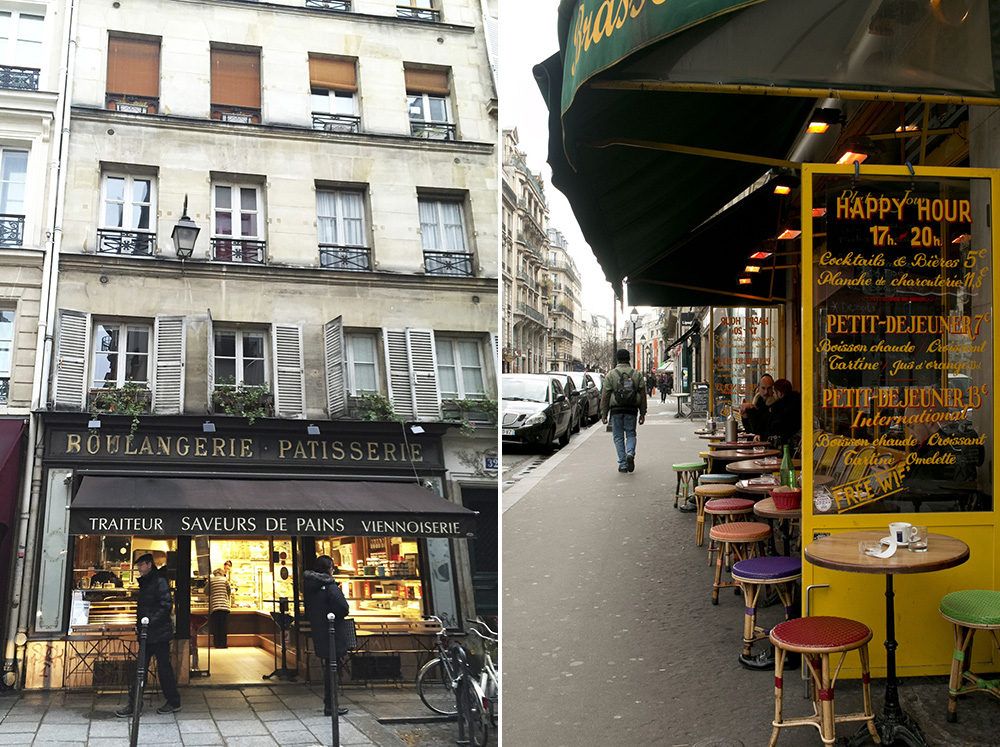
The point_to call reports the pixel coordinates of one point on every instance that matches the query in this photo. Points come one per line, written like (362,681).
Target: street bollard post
(461,694)
(139,684)
(332,674)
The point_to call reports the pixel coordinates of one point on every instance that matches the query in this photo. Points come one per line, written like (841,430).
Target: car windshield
(577,379)
(533,390)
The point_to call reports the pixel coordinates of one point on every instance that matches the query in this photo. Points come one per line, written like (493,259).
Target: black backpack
(626,393)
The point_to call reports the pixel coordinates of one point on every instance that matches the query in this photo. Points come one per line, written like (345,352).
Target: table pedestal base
(892,728)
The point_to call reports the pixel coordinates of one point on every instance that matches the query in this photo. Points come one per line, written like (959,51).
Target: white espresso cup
(900,530)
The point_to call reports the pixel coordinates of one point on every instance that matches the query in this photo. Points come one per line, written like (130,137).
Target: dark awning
(694,330)
(192,506)
(660,114)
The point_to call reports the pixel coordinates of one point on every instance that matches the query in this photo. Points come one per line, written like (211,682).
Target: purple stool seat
(767,568)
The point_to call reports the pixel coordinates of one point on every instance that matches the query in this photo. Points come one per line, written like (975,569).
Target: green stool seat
(718,479)
(972,607)
(687,475)
(685,466)
(968,611)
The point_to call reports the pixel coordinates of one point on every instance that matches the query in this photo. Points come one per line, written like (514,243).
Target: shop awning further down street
(219,506)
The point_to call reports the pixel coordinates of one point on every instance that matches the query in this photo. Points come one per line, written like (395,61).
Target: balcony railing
(563,334)
(116,241)
(124,102)
(432,130)
(455,264)
(530,312)
(336,123)
(349,258)
(235,114)
(4,388)
(19,78)
(246,251)
(419,14)
(11,230)
(342,5)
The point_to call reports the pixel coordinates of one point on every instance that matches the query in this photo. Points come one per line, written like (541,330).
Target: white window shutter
(423,366)
(289,369)
(168,371)
(210,362)
(398,381)
(69,389)
(336,385)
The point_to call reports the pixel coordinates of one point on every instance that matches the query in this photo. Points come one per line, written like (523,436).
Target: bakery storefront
(257,504)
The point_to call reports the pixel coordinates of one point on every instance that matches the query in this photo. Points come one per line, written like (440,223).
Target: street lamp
(634,316)
(185,234)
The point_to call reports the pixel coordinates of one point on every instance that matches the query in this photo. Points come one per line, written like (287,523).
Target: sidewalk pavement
(248,716)
(610,636)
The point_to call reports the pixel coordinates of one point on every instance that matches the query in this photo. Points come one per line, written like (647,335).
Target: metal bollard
(332,664)
(461,694)
(140,683)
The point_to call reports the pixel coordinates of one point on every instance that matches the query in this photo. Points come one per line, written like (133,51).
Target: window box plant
(132,399)
(250,401)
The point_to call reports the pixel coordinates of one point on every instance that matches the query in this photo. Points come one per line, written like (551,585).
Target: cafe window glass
(903,331)
(121,354)
(744,348)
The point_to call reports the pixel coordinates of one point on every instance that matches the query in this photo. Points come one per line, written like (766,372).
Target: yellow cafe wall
(898,340)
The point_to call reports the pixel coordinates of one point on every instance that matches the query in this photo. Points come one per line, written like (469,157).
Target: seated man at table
(754,414)
(784,420)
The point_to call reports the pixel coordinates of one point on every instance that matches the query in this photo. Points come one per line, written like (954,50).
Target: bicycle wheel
(476,724)
(493,695)
(435,690)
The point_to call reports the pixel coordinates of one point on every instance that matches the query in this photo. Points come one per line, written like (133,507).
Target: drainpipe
(22,586)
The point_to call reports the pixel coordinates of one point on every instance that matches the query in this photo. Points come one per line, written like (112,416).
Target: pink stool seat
(740,531)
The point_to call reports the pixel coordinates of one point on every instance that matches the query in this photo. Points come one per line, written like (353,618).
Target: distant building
(565,313)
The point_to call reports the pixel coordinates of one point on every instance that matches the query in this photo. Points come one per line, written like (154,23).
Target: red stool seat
(740,531)
(821,633)
(727,505)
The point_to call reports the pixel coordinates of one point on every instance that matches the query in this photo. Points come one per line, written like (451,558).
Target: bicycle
(489,676)
(437,679)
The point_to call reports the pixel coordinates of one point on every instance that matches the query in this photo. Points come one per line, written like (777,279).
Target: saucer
(888,541)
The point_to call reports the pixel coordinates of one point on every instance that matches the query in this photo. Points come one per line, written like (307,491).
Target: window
(133,75)
(20,50)
(236,85)
(240,358)
(340,220)
(442,232)
(428,104)
(121,354)
(362,364)
(13,178)
(334,94)
(127,207)
(236,223)
(6,351)
(422,10)
(460,369)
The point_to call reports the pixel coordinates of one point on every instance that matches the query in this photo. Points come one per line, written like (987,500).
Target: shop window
(340,222)
(460,368)
(362,364)
(13,181)
(128,204)
(6,351)
(20,50)
(442,233)
(236,85)
(334,89)
(237,223)
(121,354)
(378,575)
(133,84)
(428,97)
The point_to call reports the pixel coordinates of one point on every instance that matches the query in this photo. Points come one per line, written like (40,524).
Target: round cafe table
(839,552)
(759,465)
(680,396)
(785,517)
(735,455)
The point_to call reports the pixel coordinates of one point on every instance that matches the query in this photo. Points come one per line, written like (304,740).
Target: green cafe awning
(637,86)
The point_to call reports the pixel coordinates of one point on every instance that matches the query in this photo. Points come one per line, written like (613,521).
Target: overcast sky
(528,36)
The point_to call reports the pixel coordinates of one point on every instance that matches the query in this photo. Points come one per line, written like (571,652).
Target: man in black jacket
(323,596)
(155,602)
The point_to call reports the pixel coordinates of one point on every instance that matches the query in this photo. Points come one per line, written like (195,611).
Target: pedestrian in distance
(755,414)
(323,596)
(219,604)
(155,602)
(663,387)
(623,399)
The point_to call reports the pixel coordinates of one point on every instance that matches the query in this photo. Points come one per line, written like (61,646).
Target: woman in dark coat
(323,596)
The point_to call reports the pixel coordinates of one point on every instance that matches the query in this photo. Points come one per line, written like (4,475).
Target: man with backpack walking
(623,397)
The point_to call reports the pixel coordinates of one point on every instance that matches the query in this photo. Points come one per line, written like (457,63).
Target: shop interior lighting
(312,430)
(760,255)
(208,427)
(751,268)
(789,233)
(821,120)
(857,150)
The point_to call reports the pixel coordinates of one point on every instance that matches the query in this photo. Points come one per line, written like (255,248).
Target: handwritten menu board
(744,348)
(903,335)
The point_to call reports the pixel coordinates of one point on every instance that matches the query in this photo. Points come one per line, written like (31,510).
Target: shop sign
(903,340)
(491,463)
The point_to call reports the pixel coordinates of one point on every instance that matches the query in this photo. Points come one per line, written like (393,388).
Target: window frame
(4,150)
(457,365)
(124,327)
(127,201)
(8,55)
(350,375)
(239,358)
(5,373)
(238,211)
(438,201)
(339,193)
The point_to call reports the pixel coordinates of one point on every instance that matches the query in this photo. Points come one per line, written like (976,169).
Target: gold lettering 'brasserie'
(218,447)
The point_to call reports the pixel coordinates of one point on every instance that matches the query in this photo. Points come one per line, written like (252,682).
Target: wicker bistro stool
(703,493)
(722,510)
(969,611)
(715,478)
(756,573)
(816,638)
(742,539)
(687,475)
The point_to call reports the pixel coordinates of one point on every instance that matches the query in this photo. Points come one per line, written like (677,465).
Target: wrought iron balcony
(116,241)
(4,388)
(11,230)
(336,122)
(349,258)
(432,130)
(455,264)
(419,14)
(129,104)
(246,251)
(342,5)
(19,78)
(235,114)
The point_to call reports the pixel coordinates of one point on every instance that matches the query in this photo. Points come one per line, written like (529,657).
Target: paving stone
(254,741)
(62,733)
(200,725)
(239,728)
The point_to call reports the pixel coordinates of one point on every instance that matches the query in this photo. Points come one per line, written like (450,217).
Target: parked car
(575,397)
(589,387)
(536,410)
